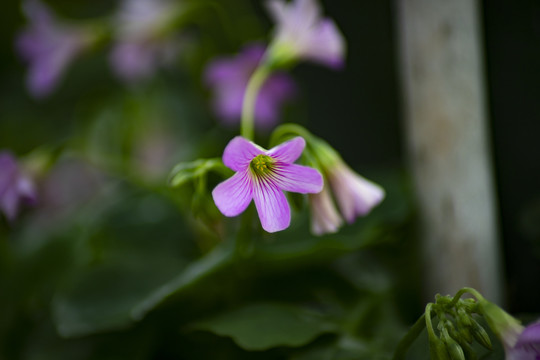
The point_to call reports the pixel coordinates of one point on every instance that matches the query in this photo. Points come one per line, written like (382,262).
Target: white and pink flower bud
(355,195)
(325,218)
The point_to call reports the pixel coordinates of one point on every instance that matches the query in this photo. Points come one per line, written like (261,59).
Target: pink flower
(355,195)
(228,77)
(301,33)
(144,40)
(49,47)
(263,175)
(16,189)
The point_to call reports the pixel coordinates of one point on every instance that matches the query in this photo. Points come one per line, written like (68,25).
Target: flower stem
(465,290)
(289,129)
(244,238)
(408,339)
(250,97)
(429,325)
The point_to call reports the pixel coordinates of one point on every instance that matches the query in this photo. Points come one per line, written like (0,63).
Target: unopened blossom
(262,176)
(16,189)
(228,78)
(302,33)
(325,218)
(49,46)
(144,38)
(355,195)
(520,343)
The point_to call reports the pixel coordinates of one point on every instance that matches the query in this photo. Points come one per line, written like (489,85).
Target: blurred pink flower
(228,78)
(302,33)
(16,188)
(48,46)
(144,40)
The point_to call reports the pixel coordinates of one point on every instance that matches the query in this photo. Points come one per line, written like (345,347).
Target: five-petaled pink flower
(262,175)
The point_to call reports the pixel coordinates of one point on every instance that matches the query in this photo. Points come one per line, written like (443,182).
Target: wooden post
(445,121)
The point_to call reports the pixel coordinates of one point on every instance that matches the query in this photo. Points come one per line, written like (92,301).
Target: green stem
(292,129)
(469,290)
(408,339)
(244,239)
(250,97)
(429,325)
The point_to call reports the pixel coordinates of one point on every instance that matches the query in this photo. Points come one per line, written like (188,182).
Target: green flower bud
(469,305)
(465,334)
(463,318)
(464,341)
(481,335)
(453,348)
(438,350)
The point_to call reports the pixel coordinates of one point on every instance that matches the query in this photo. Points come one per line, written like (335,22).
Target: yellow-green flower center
(262,164)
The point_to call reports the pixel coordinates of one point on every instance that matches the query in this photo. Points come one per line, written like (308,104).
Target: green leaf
(345,348)
(267,325)
(188,171)
(114,296)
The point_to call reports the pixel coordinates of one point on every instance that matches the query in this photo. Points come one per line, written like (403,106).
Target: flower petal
(298,178)
(233,195)
(326,45)
(239,152)
(277,89)
(272,206)
(530,336)
(132,60)
(307,12)
(289,151)
(9,170)
(356,195)
(9,204)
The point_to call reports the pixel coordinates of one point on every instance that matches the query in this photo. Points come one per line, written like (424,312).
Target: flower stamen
(262,165)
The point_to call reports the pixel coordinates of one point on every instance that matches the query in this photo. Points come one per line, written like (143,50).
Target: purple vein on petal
(272,206)
(233,195)
(239,152)
(300,179)
(289,151)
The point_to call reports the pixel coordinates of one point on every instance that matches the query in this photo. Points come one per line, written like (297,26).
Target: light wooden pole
(441,64)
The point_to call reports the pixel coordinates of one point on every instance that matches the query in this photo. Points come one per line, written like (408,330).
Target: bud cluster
(456,329)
